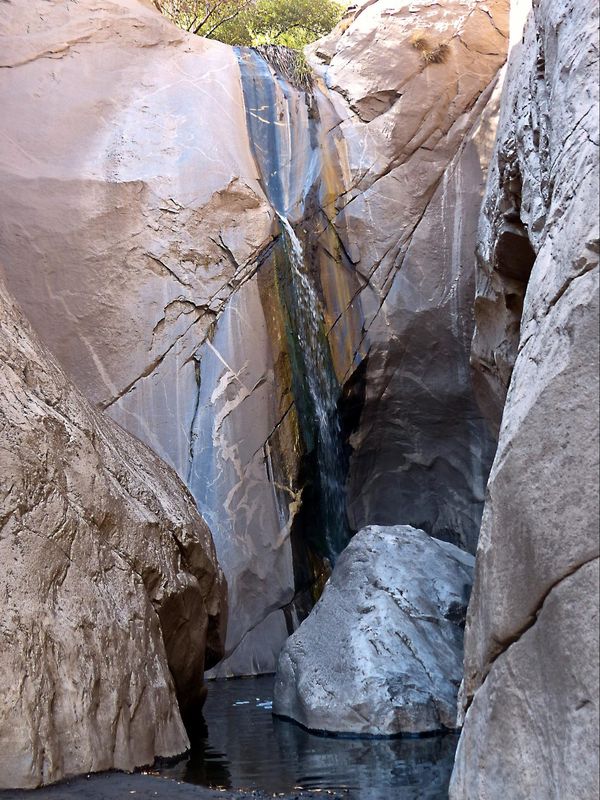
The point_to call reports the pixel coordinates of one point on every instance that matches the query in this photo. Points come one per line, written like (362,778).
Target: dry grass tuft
(438,55)
(431,53)
(420,41)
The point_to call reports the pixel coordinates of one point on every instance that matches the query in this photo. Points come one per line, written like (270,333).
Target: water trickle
(281,128)
(320,420)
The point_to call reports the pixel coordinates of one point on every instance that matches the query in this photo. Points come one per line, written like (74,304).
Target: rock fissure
(150,368)
(501,647)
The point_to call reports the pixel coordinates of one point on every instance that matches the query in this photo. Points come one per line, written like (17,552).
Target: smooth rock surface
(111,592)
(416,141)
(535,719)
(131,214)
(381,652)
(531,676)
(423,447)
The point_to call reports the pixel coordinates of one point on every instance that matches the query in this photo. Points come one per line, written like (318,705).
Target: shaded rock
(381,652)
(416,141)
(530,643)
(422,448)
(534,721)
(112,596)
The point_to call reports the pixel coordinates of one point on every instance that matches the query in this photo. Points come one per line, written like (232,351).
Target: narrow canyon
(299,378)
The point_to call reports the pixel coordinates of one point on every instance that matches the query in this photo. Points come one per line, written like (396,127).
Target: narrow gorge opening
(266,315)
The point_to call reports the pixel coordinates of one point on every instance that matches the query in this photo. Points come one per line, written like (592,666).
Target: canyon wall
(141,238)
(413,86)
(531,661)
(112,600)
(131,212)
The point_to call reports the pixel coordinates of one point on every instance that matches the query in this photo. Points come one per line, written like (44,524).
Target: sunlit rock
(112,600)
(381,653)
(125,160)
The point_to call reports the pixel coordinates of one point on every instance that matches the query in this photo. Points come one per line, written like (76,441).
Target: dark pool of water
(244,747)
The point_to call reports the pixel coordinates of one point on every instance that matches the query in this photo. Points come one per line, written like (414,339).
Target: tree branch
(230,18)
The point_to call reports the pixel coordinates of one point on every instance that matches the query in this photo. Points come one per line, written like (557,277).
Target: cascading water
(281,128)
(319,410)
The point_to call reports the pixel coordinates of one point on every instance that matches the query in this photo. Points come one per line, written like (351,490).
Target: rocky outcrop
(381,653)
(412,84)
(128,221)
(140,241)
(112,597)
(531,671)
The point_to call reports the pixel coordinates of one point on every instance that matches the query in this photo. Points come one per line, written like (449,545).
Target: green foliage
(290,23)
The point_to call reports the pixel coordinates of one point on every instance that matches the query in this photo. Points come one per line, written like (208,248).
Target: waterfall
(281,127)
(323,391)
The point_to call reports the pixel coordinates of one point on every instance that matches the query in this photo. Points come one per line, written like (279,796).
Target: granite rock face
(531,671)
(417,131)
(112,599)
(131,214)
(135,233)
(381,652)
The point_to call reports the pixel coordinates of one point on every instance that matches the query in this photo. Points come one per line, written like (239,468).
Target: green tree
(291,23)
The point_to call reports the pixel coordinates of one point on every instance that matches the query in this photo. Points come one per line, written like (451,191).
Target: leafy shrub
(290,23)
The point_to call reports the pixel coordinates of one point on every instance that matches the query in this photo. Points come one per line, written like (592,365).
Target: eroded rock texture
(381,652)
(111,593)
(136,234)
(531,664)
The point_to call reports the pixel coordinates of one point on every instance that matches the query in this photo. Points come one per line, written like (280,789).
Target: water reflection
(243,746)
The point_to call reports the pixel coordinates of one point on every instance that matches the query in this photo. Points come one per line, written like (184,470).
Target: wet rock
(381,652)
(112,597)
(531,640)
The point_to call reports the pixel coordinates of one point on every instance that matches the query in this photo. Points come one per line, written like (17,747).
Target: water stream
(320,399)
(244,747)
(281,127)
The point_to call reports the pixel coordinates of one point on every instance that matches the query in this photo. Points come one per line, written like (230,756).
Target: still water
(244,747)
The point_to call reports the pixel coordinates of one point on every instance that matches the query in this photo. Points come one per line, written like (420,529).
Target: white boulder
(381,653)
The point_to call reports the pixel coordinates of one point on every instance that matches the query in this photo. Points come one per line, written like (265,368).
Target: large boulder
(112,599)
(381,653)
(531,644)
